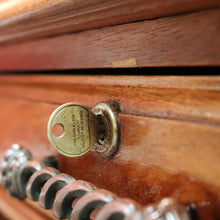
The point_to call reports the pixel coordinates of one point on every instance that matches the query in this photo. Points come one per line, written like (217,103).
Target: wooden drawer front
(170,133)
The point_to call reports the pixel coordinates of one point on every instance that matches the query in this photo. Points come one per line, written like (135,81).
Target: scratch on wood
(130,62)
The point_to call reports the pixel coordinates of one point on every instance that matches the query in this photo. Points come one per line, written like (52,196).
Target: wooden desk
(170,124)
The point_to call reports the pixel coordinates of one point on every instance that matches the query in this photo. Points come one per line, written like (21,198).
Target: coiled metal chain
(73,199)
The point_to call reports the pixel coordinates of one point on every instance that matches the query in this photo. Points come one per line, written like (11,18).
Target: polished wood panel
(188,40)
(180,98)
(157,157)
(11,209)
(22,20)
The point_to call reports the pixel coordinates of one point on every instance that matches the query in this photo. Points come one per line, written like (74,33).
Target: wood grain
(157,157)
(188,40)
(11,209)
(180,98)
(170,134)
(22,20)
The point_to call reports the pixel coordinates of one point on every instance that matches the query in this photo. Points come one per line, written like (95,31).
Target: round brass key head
(79,126)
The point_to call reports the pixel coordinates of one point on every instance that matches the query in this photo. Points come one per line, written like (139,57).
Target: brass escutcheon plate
(108,146)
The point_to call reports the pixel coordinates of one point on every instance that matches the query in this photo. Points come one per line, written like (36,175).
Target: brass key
(83,129)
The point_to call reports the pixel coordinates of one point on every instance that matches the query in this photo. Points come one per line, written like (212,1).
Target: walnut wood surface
(158,156)
(181,98)
(187,40)
(11,209)
(22,20)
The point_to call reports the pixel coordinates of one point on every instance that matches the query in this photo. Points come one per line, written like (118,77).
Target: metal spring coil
(75,199)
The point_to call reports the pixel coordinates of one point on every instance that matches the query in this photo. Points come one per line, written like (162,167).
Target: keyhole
(58,130)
